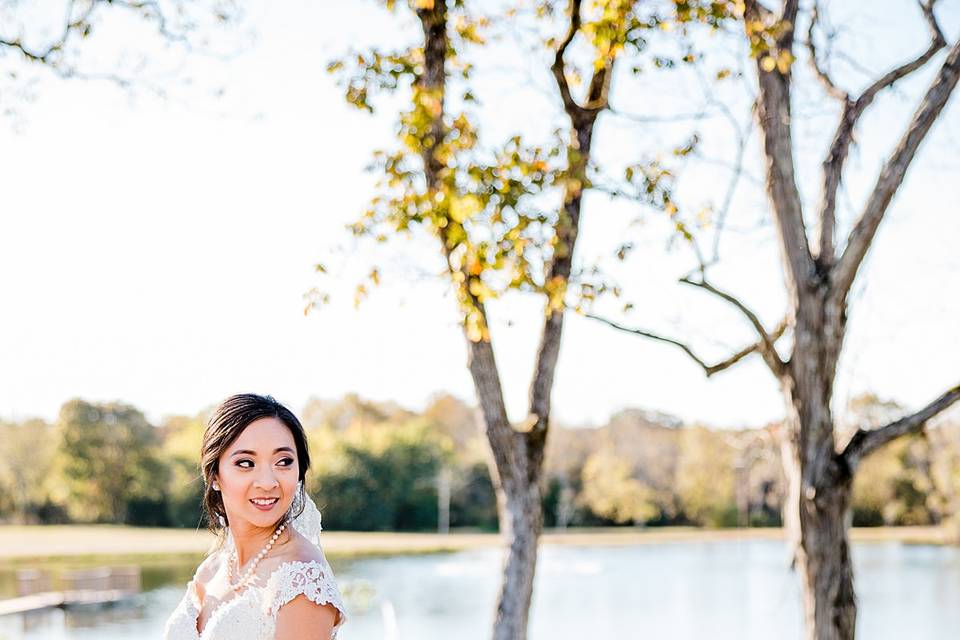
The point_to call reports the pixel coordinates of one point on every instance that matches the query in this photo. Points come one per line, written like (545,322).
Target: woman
(267,577)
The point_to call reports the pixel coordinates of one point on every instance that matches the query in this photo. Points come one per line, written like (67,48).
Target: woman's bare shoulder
(210,565)
(299,549)
(206,571)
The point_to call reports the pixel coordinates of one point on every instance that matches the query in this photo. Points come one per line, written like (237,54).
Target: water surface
(725,590)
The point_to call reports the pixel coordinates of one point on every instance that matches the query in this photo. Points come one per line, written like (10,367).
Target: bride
(267,576)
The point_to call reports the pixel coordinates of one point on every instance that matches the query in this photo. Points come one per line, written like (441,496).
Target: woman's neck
(250,539)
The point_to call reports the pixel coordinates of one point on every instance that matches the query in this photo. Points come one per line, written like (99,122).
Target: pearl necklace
(248,574)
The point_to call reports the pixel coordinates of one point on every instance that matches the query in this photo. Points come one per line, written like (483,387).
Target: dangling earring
(296,506)
(222,521)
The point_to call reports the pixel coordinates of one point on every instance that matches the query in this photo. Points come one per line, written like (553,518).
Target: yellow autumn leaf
(767,63)
(475,326)
(464,208)
(784,60)
(359,294)
(482,292)
(474,265)
(474,333)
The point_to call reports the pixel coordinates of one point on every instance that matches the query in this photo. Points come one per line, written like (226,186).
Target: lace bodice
(252,614)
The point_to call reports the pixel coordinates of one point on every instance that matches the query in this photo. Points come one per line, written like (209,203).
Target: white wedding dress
(252,614)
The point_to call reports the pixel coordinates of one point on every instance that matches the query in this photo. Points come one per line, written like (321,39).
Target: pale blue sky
(157,252)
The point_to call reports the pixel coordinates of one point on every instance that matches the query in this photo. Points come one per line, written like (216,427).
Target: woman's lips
(264,504)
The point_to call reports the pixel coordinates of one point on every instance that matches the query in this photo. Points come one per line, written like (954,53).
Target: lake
(726,590)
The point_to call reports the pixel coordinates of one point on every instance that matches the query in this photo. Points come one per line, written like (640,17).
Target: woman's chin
(265,517)
(261,518)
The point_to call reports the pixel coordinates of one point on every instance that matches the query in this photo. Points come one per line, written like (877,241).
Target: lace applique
(314,580)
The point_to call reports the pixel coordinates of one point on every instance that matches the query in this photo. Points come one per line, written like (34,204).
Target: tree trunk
(825,565)
(515,469)
(817,522)
(521,522)
(819,479)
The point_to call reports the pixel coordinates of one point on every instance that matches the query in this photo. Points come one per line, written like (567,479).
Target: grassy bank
(32,544)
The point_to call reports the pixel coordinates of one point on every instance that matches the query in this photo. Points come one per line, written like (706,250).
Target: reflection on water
(718,590)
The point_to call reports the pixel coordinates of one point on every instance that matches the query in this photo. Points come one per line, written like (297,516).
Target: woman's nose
(266,480)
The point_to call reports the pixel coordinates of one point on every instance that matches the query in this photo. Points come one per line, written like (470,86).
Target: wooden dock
(62,599)
(88,587)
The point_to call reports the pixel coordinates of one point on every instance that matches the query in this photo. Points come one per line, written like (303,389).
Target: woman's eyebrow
(253,453)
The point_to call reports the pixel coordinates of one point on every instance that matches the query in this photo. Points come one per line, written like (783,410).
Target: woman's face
(258,473)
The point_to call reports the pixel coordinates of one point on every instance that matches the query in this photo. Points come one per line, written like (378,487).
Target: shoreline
(22,545)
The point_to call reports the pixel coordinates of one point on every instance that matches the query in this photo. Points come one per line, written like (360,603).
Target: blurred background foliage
(380,467)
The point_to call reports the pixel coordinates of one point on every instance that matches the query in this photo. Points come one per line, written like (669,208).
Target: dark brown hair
(228,421)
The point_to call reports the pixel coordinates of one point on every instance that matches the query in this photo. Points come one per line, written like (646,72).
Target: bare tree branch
(937,42)
(852,110)
(866,441)
(742,136)
(647,119)
(788,16)
(766,345)
(558,68)
(708,369)
(582,119)
(819,69)
(758,10)
(598,92)
(598,95)
(893,172)
(773,114)
(173,22)
(50,56)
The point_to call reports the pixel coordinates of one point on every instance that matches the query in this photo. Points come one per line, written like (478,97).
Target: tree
(26,460)
(350,411)
(945,442)
(819,466)
(454,419)
(436,182)
(483,205)
(57,40)
(181,440)
(895,485)
(108,456)
(611,491)
(705,478)
(381,477)
(819,277)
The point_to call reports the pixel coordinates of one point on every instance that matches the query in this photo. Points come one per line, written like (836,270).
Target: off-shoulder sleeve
(312,579)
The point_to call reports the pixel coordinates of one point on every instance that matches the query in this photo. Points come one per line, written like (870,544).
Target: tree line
(381,467)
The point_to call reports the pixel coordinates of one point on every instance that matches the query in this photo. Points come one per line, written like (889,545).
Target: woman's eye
(248,464)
